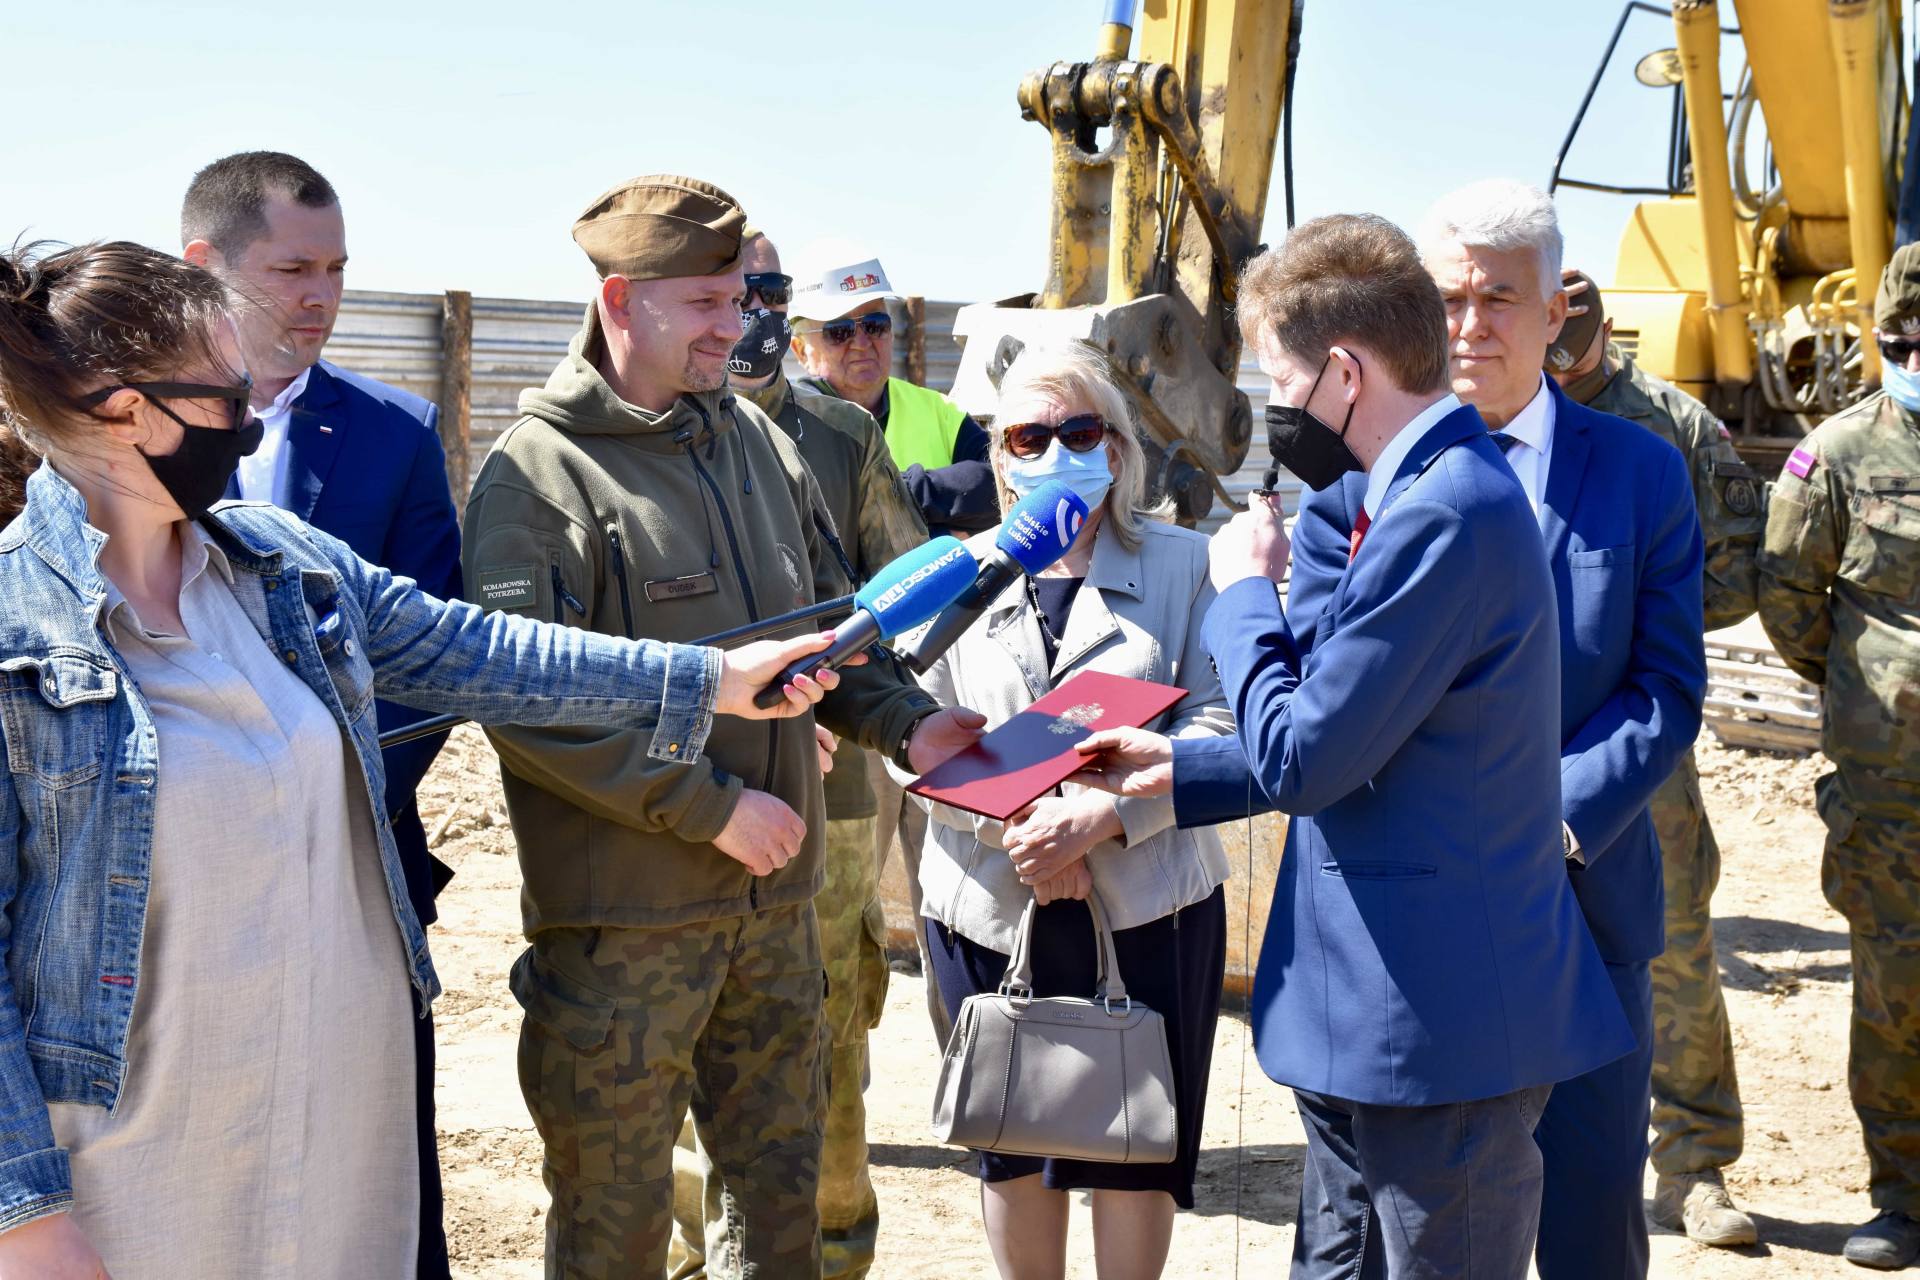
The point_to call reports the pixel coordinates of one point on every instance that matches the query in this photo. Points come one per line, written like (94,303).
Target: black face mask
(764,338)
(196,474)
(1305,445)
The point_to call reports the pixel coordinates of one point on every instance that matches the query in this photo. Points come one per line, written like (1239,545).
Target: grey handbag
(1085,1079)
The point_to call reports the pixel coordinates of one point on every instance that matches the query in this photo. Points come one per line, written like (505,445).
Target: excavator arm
(1160,169)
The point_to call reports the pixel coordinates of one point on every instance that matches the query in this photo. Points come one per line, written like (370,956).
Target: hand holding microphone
(901,596)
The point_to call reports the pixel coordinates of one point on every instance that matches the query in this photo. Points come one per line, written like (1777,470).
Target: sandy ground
(1783,956)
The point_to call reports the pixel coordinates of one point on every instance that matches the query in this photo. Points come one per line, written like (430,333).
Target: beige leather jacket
(1138,614)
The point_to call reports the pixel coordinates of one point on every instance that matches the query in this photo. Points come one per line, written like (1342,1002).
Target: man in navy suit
(1622,536)
(1623,539)
(354,457)
(1425,977)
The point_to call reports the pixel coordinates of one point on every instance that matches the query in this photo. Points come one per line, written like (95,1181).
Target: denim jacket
(77,793)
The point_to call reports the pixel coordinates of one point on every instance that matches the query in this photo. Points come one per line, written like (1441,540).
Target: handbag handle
(1108,987)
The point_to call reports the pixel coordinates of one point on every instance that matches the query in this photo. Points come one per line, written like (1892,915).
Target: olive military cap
(1896,304)
(1576,335)
(662,225)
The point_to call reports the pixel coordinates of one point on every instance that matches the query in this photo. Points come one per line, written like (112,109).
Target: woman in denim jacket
(210,958)
(1127,599)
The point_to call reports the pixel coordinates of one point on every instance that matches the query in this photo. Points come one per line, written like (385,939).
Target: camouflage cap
(1896,304)
(659,226)
(1577,334)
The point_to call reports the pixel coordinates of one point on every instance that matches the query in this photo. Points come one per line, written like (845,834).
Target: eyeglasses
(1898,350)
(1080,434)
(239,397)
(839,333)
(775,290)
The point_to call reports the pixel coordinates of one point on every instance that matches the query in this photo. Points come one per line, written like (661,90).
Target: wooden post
(456,393)
(917,340)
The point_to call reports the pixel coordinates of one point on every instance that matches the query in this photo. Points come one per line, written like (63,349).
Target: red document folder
(1032,753)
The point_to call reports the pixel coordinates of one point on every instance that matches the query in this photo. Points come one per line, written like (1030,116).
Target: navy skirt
(1172,965)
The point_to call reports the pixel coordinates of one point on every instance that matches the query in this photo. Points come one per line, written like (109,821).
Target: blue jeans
(1418,1193)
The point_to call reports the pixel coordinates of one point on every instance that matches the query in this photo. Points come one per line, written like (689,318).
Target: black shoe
(1888,1243)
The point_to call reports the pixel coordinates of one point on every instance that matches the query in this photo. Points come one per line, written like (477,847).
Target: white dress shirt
(1533,428)
(1380,474)
(263,471)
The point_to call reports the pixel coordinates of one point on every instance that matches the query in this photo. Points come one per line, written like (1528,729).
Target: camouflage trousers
(1696,1095)
(903,822)
(853,944)
(1871,875)
(628,1029)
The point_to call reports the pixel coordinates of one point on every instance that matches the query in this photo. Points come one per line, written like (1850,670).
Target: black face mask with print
(764,338)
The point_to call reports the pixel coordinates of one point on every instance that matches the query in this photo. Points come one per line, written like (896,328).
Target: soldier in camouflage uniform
(675,958)
(863,495)
(1840,598)
(1696,1095)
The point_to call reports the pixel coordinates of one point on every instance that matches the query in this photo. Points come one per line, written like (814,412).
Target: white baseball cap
(833,277)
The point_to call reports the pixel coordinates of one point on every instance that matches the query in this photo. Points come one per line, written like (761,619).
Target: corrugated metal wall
(395,337)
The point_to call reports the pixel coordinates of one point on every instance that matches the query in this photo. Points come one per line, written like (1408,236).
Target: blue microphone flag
(912,588)
(1041,526)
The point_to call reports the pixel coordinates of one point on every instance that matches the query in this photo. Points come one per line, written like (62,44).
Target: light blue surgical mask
(1087,474)
(1903,386)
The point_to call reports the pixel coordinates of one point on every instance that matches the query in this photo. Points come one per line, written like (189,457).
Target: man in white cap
(843,334)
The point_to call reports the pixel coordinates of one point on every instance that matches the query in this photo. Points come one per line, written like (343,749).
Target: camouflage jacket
(1840,589)
(873,517)
(1730,496)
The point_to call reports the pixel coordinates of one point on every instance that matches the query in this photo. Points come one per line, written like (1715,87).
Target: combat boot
(1888,1243)
(1698,1204)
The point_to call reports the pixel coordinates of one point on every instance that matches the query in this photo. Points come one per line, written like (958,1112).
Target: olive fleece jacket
(593,512)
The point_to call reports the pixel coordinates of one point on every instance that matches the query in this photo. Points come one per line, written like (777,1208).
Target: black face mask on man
(1307,446)
(765,336)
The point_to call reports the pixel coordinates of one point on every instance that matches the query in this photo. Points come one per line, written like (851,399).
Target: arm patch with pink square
(1802,461)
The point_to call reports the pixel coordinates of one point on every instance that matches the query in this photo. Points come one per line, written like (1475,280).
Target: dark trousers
(1418,1193)
(1593,1143)
(410,837)
(433,1234)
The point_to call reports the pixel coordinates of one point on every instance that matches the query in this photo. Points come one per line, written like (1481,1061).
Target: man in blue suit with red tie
(1426,978)
(1623,541)
(351,456)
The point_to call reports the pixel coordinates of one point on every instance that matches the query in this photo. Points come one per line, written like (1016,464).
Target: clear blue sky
(465,138)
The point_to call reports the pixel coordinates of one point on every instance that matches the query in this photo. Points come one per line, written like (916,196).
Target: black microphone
(902,595)
(1037,531)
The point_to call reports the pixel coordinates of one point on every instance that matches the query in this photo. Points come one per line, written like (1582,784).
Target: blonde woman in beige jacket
(1127,599)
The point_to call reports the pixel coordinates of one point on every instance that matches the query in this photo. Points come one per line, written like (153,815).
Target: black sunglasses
(840,332)
(1081,433)
(238,396)
(1898,350)
(775,290)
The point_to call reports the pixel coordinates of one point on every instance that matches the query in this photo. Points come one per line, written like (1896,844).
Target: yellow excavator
(1162,148)
(1748,279)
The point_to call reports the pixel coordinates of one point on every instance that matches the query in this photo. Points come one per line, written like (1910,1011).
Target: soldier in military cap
(674,960)
(1840,598)
(1696,1095)
(876,521)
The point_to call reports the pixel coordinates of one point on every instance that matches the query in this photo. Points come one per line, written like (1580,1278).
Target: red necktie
(1360,528)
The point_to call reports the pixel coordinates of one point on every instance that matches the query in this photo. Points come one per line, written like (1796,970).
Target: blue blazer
(1424,945)
(364,463)
(1623,540)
